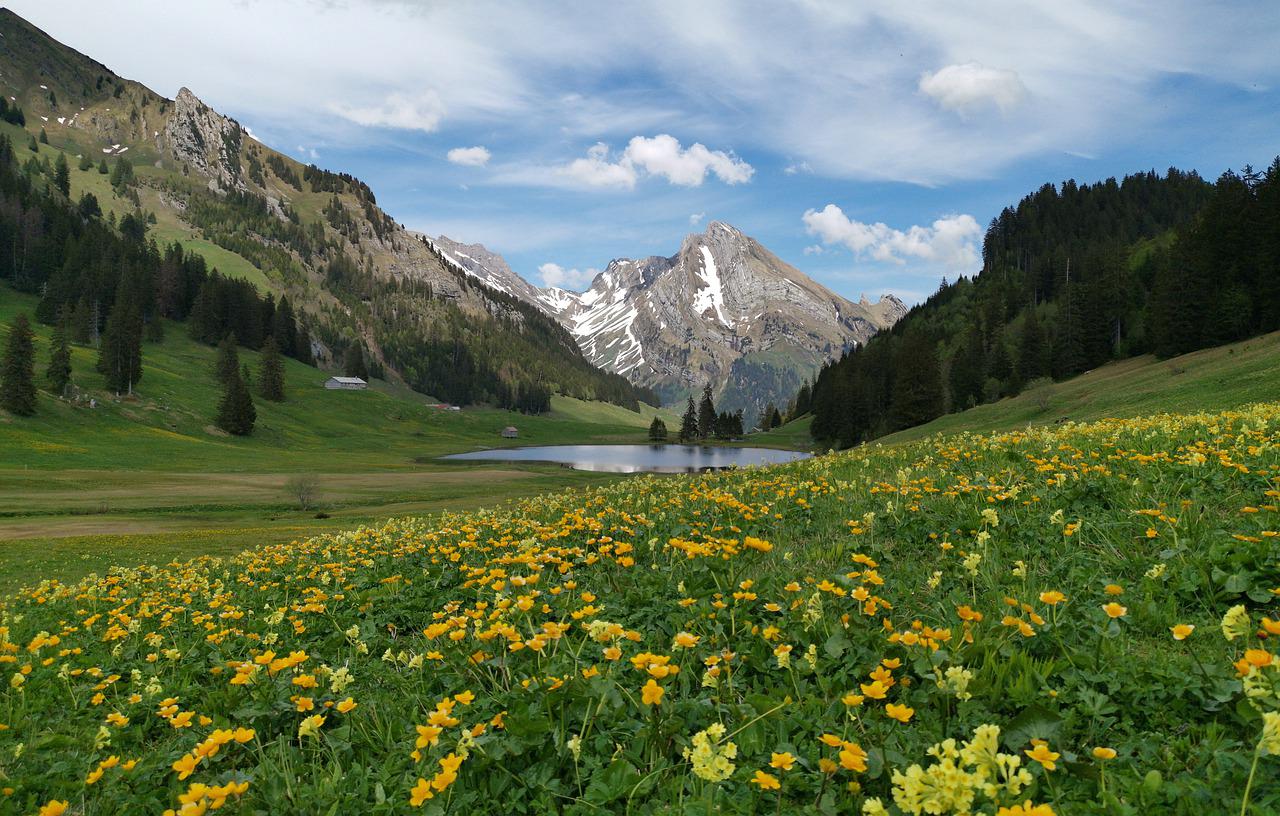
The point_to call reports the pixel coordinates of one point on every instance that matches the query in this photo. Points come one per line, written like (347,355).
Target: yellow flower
(186,765)
(421,792)
(346,706)
(1269,743)
(1115,610)
(766,781)
(783,761)
(1182,631)
(310,726)
(1235,623)
(54,807)
(1026,809)
(93,776)
(853,758)
(652,693)
(465,697)
(1113,589)
(1104,753)
(1041,753)
(685,640)
(1052,597)
(900,713)
(875,690)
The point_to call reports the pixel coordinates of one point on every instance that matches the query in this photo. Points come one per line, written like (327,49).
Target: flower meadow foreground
(1053,621)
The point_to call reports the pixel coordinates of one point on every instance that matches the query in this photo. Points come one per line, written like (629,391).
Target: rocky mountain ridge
(723,310)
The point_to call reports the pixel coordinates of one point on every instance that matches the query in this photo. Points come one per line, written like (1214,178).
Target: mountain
(723,310)
(358,280)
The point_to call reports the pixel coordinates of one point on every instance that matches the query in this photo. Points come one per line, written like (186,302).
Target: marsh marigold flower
(783,761)
(766,781)
(1026,809)
(652,693)
(1040,753)
(1182,631)
(1115,610)
(1104,753)
(901,713)
(1052,597)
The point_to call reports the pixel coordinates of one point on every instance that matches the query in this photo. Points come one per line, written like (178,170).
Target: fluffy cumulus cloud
(402,111)
(660,156)
(950,242)
(477,156)
(971,87)
(556,275)
(696,218)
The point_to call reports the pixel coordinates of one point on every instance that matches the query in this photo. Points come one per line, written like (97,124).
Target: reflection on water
(637,458)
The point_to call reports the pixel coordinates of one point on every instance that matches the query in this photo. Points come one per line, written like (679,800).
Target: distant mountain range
(723,310)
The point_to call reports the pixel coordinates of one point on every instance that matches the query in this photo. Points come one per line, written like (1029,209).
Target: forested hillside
(196,194)
(1072,277)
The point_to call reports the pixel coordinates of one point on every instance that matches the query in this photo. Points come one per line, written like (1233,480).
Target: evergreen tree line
(1072,278)
(701,421)
(104,283)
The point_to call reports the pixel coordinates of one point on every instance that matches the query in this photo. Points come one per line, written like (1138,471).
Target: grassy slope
(146,478)
(1207,380)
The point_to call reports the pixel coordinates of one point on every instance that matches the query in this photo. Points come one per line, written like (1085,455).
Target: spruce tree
(917,384)
(689,422)
(62,174)
(271,372)
(120,354)
(657,430)
(766,416)
(44,137)
(1031,351)
(59,372)
(706,414)
(85,162)
(227,363)
(17,370)
(236,413)
(102,168)
(302,348)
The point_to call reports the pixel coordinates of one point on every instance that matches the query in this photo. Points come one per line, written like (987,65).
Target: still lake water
(637,458)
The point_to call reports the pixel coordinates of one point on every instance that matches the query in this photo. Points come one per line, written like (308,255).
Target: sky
(867,144)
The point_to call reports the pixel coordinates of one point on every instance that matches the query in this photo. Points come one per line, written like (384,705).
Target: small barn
(345,383)
(510,432)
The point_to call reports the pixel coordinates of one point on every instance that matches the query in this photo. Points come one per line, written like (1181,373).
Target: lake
(637,458)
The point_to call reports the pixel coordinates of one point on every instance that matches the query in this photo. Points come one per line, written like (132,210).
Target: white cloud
(950,242)
(971,87)
(797,167)
(597,171)
(814,249)
(696,219)
(661,156)
(477,156)
(556,275)
(403,111)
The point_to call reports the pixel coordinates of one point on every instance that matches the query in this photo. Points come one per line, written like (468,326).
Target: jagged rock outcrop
(207,141)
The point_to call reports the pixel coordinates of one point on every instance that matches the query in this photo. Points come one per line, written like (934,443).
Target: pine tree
(85,162)
(706,414)
(227,364)
(62,174)
(1031,349)
(271,372)
(236,413)
(44,137)
(59,372)
(657,430)
(917,384)
(102,168)
(17,370)
(689,422)
(302,348)
(120,354)
(766,416)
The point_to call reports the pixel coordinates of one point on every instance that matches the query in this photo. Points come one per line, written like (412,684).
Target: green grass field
(149,478)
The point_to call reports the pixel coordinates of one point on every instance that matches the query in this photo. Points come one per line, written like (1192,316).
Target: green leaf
(1035,722)
(613,783)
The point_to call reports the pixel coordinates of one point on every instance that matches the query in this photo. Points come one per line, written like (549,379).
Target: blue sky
(867,144)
